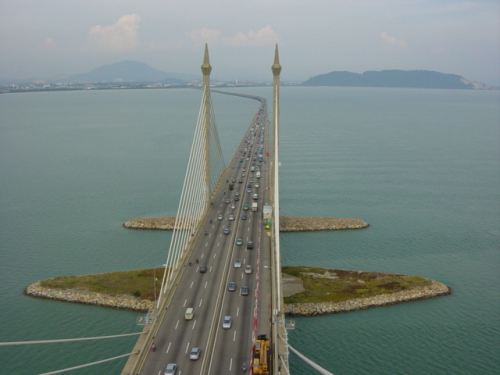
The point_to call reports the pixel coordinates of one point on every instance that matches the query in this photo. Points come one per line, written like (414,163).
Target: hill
(392,78)
(125,71)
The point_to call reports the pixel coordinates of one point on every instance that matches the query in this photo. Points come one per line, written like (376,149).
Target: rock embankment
(152,223)
(87,297)
(287,223)
(305,224)
(312,309)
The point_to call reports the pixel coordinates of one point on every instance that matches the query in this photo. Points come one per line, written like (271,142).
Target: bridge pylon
(204,169)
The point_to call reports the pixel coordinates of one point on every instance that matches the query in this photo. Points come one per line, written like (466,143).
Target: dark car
(244,217)
(203,269)
(231,286)
(244,291)
(226,231)
(250,245)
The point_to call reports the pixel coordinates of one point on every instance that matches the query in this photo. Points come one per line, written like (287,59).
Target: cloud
(121,36)
(264,37)
(48,43)
(391,40)
(204,35)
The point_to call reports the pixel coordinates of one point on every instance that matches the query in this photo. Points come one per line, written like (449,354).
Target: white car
(227,321)
(248,269)
(231,218)
(171,369)
(220,217)
(195,353)
(237,263)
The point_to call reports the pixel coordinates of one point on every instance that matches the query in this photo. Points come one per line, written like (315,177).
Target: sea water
(421,166)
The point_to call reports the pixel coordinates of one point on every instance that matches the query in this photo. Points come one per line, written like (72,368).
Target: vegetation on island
(332,285)
(137,283)
(320,285)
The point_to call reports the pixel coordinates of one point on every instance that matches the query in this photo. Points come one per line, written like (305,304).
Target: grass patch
(324,285)
(137,283)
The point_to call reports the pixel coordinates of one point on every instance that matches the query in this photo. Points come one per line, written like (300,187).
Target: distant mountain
(392,78)
(125,71)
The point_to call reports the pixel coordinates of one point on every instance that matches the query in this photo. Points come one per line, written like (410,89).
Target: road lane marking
(241,276)
(206,283)
(237,311)
(168,347)
(201,301)
(215,255)
(234,336)
(244,260)
(185,302)
(197,268)
(230,364)
(210,269)
(187,348)
(206,244)
(177,325)
(192,283)
(194,324)
(202,255)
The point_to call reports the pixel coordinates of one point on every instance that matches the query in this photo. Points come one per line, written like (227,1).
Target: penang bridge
(220,308)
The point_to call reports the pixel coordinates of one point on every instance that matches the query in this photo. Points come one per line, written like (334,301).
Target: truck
(260,356)
(257,174)
(267,215)
(255,206)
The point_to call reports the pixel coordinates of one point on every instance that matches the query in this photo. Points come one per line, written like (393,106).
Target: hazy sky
(44,38)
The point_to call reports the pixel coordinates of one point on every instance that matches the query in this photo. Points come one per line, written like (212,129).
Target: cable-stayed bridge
(221,289)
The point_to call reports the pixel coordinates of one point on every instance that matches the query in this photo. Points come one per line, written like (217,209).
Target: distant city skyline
(56,37)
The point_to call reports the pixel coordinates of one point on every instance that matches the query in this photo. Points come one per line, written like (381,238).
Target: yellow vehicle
(260,360)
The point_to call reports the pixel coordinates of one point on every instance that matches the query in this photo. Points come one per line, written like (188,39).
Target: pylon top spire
(276,67)
(206,68)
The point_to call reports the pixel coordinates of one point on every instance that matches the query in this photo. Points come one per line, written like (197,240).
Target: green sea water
(421,166)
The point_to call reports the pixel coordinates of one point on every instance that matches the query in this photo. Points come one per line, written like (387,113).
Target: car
(203,269)
(249,190)
(227,201)
(226,231)
(244,169)
(256,186)
(171,369)
(236,199)
(244,217)
(244,291)
(245,207)
(239,242)
(231,286)
(243,174)
(237,263)
(226,322)
(233,207)
(250,245)
(231,218)
(248,269)
(195,353)
(240,181)
(220,217)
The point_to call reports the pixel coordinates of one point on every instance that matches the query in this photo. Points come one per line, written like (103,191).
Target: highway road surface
(223,350)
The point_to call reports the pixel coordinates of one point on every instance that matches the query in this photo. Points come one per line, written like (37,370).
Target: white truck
(255,206)
(257,174)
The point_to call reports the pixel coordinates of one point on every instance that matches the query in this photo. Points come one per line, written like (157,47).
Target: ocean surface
(421,166)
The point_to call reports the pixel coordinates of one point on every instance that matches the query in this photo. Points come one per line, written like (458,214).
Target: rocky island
(287,223)
(308,291)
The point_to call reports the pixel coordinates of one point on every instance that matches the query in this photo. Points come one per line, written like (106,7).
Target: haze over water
(421,166)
